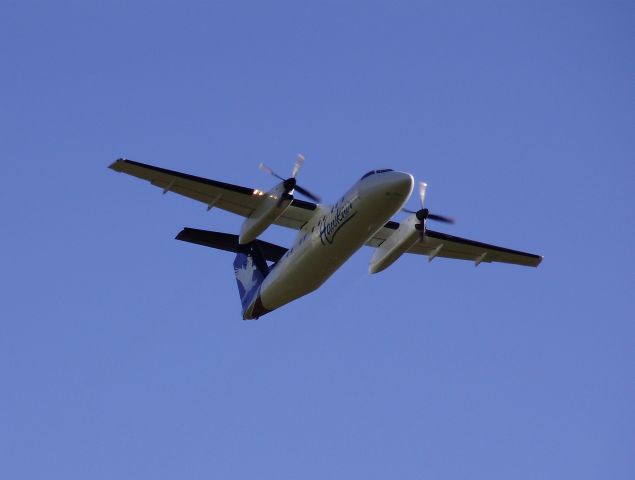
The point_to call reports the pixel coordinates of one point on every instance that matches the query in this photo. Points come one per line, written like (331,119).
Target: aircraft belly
(315,261)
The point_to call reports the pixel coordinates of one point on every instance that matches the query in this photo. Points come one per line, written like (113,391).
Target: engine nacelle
(395,245)
(275,202)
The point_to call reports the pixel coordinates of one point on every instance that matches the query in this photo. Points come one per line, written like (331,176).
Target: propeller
(424,213)
(290,184)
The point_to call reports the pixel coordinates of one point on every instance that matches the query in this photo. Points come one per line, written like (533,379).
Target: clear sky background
(122,351)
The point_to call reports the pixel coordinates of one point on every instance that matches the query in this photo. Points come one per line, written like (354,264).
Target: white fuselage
(332,235)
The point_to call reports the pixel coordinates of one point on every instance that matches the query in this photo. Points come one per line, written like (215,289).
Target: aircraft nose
(399,183)
(389,185)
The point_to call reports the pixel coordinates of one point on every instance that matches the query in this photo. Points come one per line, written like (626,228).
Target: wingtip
(116,165)
(181,235)
(536,261)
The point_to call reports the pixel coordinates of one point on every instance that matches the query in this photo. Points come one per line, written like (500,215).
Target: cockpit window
(372,172)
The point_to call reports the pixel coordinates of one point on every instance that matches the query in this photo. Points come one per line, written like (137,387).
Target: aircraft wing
(448,246)
(233,198)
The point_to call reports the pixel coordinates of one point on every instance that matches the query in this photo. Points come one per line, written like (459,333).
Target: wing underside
(437,244)
(233,198)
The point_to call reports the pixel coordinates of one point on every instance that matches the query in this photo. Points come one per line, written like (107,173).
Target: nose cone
(399,184)
(390,188)
(383,193)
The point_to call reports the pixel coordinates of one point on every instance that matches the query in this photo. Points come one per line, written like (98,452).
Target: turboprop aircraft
(270,276)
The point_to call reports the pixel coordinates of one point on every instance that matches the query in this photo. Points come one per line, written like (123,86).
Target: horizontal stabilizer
(229,242)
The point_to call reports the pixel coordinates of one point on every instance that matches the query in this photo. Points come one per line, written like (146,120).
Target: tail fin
(250,269)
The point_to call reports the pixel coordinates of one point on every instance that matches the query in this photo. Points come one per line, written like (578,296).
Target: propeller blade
(423,214)
(290,183)
(266,169)
(422,192)
(440,218)
(298,164)
(307,194)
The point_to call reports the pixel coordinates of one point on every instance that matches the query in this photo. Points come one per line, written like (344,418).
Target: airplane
(270,276)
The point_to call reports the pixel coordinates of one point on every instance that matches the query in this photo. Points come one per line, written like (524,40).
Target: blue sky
(122,352)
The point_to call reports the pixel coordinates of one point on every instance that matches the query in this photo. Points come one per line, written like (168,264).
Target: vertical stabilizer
(250,269)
